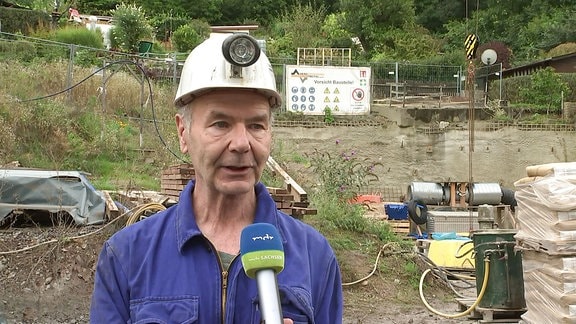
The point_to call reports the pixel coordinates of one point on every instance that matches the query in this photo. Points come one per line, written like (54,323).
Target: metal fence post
(500,100)
(70,73)
(175,74)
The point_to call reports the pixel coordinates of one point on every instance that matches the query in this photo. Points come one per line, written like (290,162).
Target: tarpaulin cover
(51,191)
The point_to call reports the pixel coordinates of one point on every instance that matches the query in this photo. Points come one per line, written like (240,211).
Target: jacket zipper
(224,288)
(224,278)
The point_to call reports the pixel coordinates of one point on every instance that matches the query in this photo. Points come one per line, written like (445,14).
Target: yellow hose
(138,214)
(469,310)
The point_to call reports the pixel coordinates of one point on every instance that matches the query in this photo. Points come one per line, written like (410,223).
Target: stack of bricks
(289,204)
(175,178)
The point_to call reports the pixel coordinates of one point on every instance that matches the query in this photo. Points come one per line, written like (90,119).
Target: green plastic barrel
(505,288)
(144,47)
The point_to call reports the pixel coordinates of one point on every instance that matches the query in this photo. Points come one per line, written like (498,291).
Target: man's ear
(182,129)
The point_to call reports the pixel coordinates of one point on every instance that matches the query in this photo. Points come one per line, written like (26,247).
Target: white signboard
(312,89)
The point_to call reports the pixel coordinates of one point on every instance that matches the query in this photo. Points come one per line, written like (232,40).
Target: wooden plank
(283,197)
(277,191)
(302,204)
(304,211)
(292,186)
(112,210)
(399,226)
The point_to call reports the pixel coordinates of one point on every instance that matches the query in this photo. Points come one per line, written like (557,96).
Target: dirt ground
(46,276)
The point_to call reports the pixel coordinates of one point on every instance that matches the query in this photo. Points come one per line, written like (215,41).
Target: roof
(233,29)
(551,61)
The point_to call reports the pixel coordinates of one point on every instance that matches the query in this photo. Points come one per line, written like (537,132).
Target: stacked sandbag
(546,218)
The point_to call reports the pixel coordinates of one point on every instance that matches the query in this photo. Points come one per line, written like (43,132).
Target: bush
(22,20)
(131,27)
(165,24)
(79,36)
(342,174)
(188,36)
(545,90)
(18,50)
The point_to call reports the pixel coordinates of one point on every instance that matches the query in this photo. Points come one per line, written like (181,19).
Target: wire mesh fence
(389,79)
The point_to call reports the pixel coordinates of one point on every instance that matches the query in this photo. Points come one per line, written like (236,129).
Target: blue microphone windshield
(261,248)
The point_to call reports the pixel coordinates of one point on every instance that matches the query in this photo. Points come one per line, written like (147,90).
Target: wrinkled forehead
(238,102)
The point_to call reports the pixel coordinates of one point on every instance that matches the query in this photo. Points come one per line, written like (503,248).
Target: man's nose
(240,141)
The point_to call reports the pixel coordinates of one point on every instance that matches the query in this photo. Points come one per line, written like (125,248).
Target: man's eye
(257,126)
(220,124)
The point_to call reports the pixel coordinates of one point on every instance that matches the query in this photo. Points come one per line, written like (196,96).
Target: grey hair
(186,113)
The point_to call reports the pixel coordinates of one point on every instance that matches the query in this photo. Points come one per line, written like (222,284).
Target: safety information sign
(312,89)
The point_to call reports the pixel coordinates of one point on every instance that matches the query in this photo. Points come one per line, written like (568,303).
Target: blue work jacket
(163,270)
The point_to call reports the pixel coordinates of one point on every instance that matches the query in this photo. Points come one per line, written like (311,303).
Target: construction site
(487,207)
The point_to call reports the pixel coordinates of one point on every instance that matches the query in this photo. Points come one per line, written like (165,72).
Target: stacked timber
(291,200)
(546,216)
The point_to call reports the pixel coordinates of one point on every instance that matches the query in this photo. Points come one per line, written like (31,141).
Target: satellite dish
(489,56)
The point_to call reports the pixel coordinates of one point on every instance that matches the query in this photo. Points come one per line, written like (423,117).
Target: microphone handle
(269,297)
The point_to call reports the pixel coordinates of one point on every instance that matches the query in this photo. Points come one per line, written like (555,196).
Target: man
(182,265)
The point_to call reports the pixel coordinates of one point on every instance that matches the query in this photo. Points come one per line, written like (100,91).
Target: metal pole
(142,102)
(69,75)
(500,102)
(396,78)
(103,100)
(175,74)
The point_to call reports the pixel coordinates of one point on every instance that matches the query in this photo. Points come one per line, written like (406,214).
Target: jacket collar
(185,220)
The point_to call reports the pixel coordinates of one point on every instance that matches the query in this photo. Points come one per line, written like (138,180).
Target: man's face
(228,138)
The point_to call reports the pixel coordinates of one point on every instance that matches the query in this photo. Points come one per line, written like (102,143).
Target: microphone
(262,258)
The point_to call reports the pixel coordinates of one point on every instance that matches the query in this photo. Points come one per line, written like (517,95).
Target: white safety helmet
(226,60)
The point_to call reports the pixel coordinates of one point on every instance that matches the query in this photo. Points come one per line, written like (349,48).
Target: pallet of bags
(546,237)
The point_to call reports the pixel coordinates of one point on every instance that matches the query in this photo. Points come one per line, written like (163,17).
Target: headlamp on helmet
(241,50)
(227,60)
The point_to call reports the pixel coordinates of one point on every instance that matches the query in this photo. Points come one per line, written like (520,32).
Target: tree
(503,53)
(96,7)
(528,30)
(188,36)
(371,20)
(434,14)
(336,35)
(297,28)
(131,27)
(406,44)
(261,12)
(208,10)
(546,31)
(165,24)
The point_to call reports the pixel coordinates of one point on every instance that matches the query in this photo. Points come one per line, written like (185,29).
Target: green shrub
(131,27)
(18,50)
(545,90)
(188,36)
(22,20)
(328,116)
(79,36)
(165,24)
(342,173)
